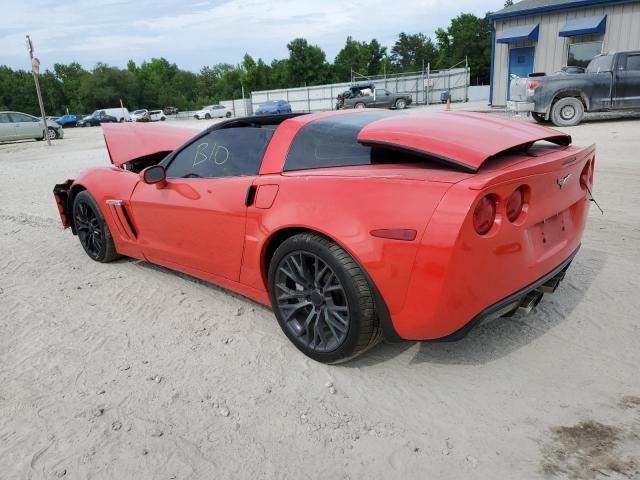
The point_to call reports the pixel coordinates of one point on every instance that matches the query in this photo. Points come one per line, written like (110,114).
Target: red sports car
(352,226)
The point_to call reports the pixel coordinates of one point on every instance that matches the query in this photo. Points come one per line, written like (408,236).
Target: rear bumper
(515,106)
(510,304)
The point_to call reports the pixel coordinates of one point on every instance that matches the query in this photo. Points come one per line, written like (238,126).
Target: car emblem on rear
(562,180)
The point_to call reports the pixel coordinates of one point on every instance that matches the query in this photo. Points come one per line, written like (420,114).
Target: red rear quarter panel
(346,207)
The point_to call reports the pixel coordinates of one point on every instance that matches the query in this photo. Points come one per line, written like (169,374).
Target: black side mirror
(155,174)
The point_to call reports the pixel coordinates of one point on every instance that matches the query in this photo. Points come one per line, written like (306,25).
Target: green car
(22,126)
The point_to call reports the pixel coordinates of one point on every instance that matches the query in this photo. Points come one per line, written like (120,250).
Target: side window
(228,152)
(21,117)
(331,142)
(633,63)
(4,118)
(382,91)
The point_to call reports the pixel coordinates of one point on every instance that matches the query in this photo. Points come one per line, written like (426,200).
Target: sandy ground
(130,371)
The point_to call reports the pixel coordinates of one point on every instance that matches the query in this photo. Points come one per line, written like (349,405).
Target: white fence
(424,88)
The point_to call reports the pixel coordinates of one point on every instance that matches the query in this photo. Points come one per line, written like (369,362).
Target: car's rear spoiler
(459,139)
(127,142)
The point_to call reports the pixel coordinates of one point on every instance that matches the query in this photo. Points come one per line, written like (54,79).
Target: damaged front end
(62,194)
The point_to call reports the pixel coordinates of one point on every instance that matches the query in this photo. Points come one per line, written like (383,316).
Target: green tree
(307,64)
(411,52)
(467,37)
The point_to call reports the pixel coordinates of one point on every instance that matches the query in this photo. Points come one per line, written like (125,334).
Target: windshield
(601,63)
(95,114)
(137,112)
(271,103)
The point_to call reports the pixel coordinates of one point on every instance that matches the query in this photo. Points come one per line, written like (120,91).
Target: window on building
(581,52)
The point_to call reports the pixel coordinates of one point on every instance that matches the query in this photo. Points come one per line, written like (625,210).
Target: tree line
(158,83)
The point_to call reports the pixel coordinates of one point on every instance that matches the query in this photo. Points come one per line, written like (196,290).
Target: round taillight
(484,215)
(515,202)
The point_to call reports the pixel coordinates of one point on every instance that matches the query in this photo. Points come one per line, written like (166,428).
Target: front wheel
(359,105)
(207,116)
(322,299)
(401,104)
(51,133)
(228,115)
(567,112)
(92,229)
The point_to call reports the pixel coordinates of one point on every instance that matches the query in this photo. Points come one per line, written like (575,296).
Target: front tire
(322,299)
(567,112)
(359,105)
(228,115)
(92,229)
(51,133)
(207,116)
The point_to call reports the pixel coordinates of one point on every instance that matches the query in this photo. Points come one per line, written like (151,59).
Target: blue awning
(518,34)
(584,26)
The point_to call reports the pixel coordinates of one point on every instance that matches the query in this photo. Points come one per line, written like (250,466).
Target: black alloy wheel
(322,299)
(92,230)
(313,301)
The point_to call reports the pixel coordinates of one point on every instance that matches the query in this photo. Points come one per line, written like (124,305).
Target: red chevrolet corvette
(352,226)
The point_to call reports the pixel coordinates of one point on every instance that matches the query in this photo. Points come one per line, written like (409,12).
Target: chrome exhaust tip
(529,302)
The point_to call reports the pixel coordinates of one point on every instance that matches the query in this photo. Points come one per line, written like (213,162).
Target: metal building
(546,35)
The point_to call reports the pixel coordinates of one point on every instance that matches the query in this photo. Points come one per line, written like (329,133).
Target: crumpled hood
(130,141)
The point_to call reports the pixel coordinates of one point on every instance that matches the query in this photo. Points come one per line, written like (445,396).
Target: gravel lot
(130,371)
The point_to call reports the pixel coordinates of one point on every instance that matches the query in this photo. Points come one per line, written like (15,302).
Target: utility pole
(35,69)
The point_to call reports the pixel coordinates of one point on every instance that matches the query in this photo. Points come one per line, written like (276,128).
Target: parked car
(96,118)
(137,114)
(22,126)
(157,116)
(274,107)
(352,226)
(366,95)
(611,81)
(70,120)
(170,111)
(213,111)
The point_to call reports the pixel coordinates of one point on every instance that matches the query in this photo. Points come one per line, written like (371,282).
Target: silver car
(22,126)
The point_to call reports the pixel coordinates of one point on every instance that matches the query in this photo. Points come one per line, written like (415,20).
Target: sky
(195,33)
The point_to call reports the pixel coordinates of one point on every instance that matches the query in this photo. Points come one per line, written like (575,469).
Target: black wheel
(207,116)
(567,112)
(401,104)
(228,115)
(51,133)
(359,105)
(162,119)
(539,117)
(92,229)
(322,299)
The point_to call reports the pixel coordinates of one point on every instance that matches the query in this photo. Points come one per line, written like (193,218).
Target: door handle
(251,196)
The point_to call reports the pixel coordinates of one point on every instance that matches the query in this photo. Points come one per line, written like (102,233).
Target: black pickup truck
(611,81)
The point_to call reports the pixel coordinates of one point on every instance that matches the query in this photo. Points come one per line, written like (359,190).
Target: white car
(138,114)
(213,111)
(157,116)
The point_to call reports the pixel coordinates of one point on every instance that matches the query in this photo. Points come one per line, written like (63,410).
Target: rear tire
(567,112)
(401,104)
(228,115)
(92,229)
(322,299)
(359,105)
(207,116)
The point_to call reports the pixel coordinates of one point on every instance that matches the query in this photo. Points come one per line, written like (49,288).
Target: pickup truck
(367,95)
(611,81)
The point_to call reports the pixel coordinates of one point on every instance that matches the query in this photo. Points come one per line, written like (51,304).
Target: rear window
(332,142)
